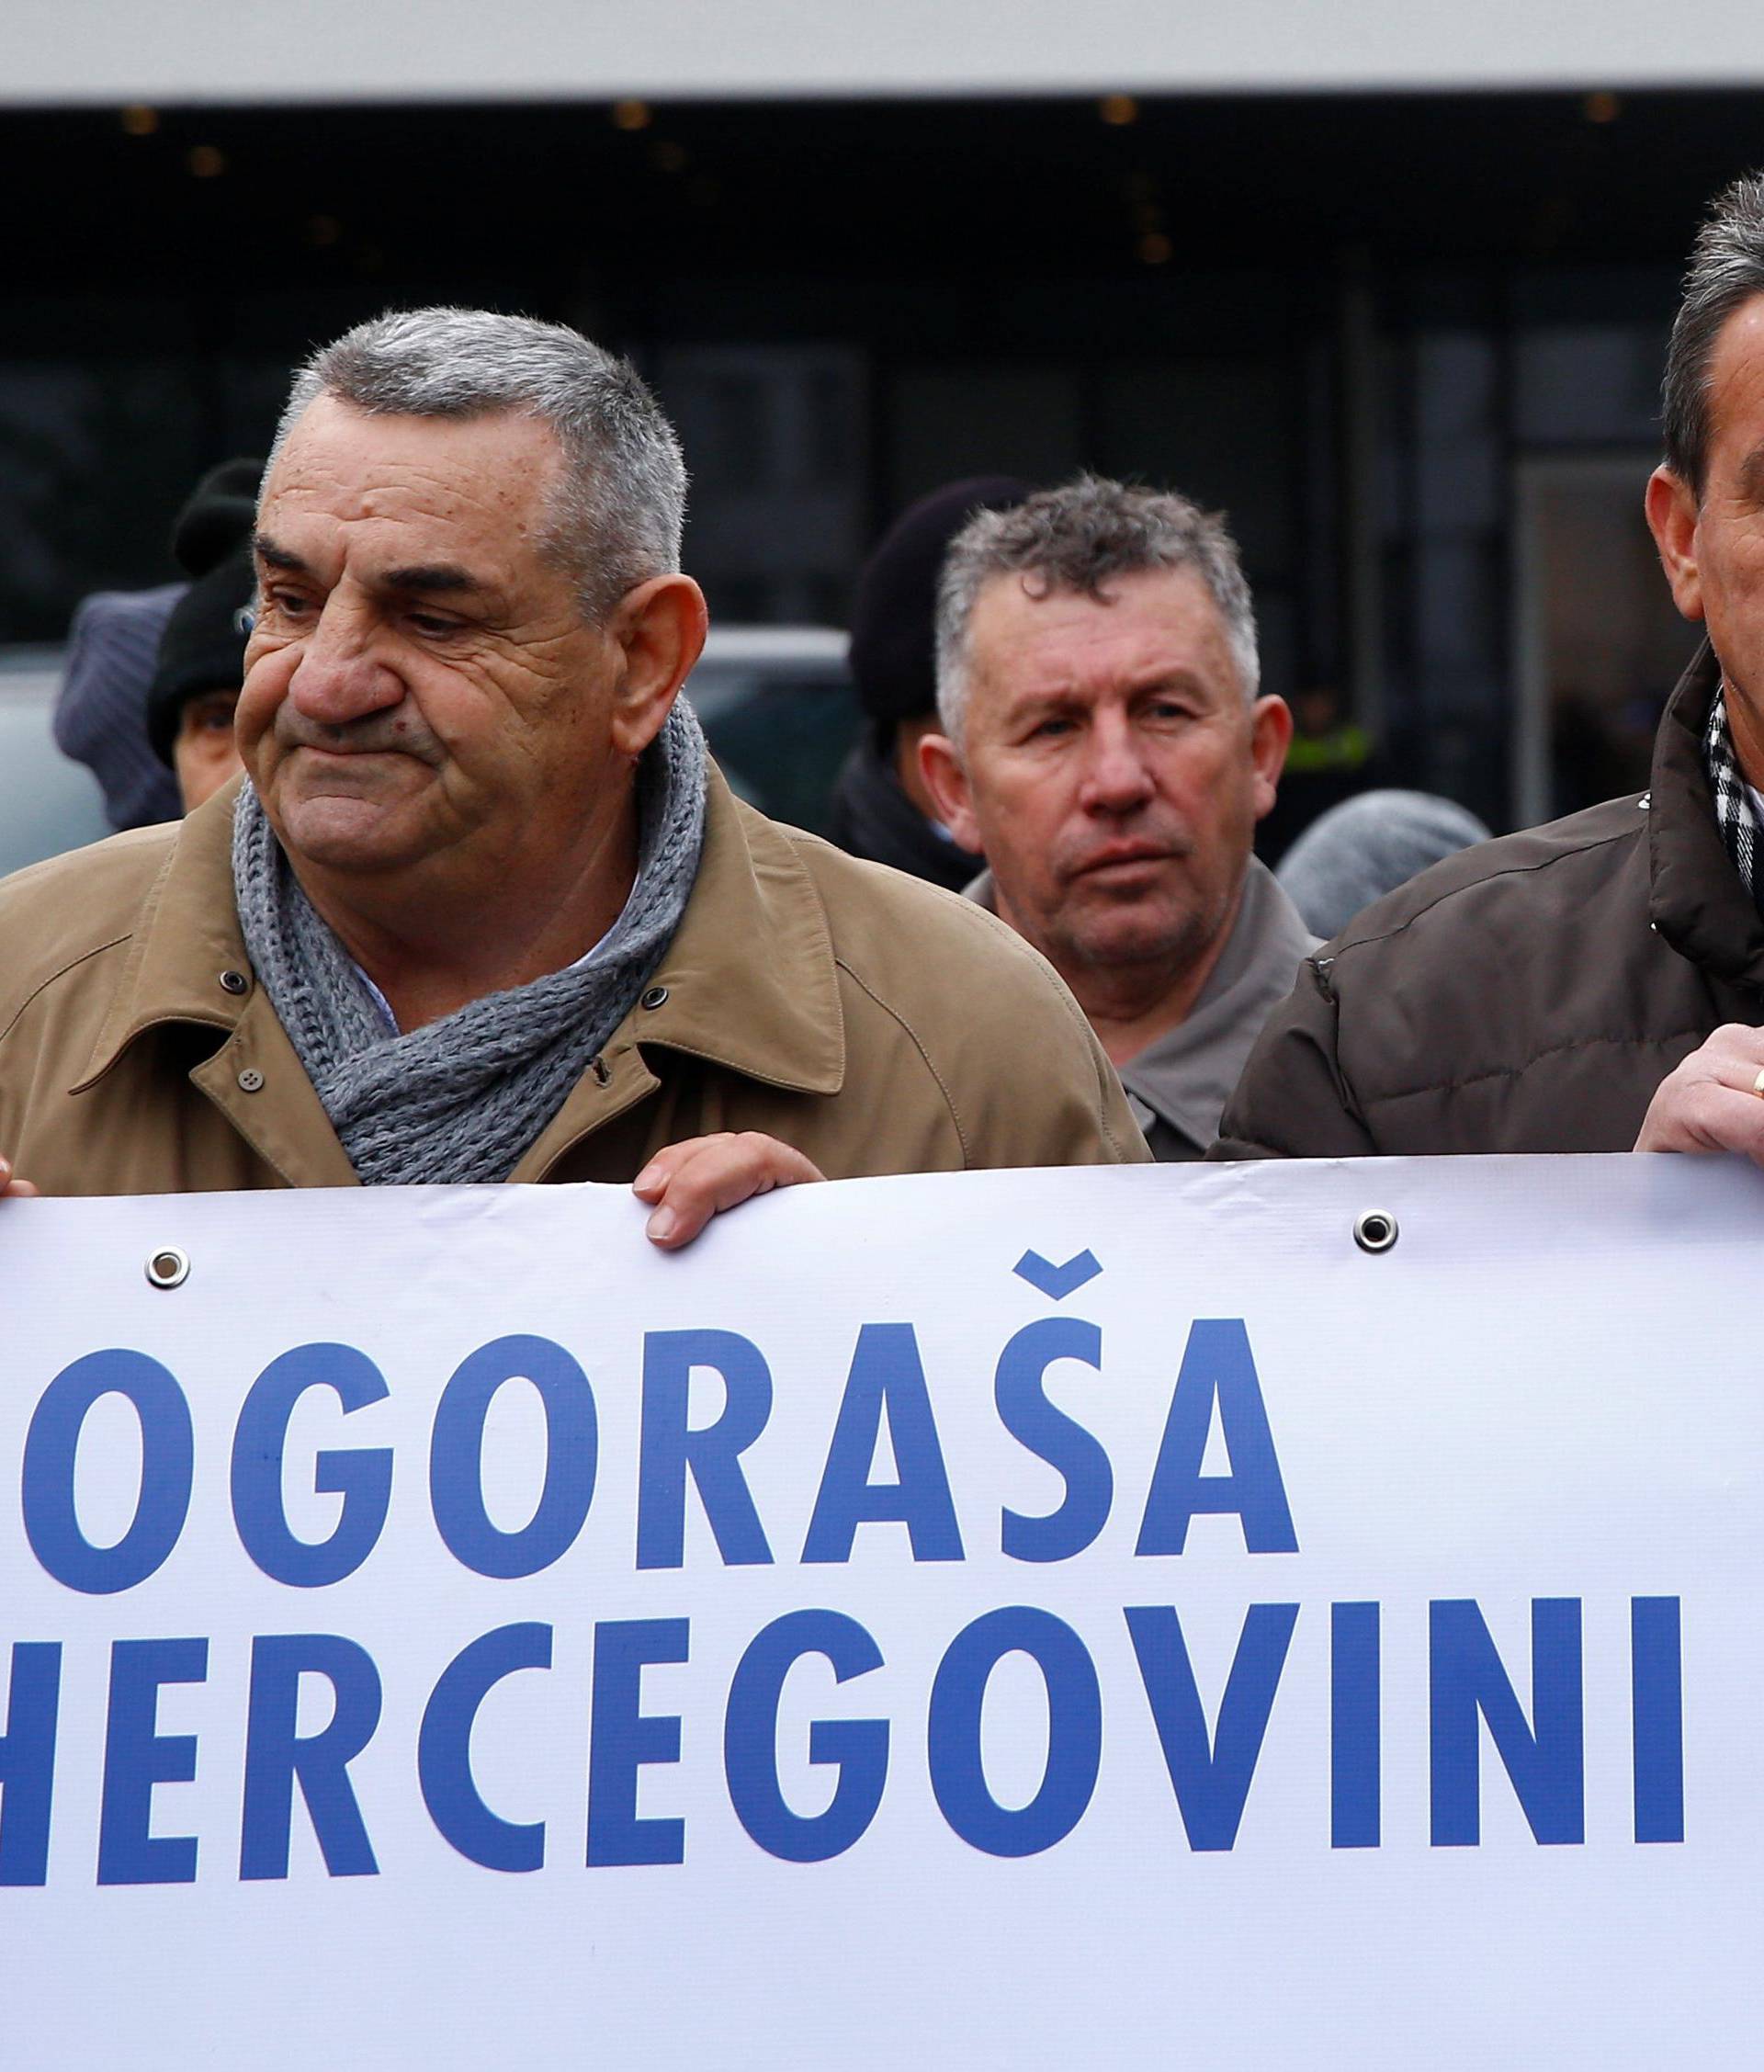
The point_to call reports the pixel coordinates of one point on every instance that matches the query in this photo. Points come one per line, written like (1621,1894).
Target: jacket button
(251,1080)
(234,982)
(655,997)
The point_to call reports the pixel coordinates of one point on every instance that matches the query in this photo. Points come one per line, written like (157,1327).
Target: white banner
(1028,1620)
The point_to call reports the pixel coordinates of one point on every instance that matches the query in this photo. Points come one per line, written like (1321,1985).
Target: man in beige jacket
(482,910)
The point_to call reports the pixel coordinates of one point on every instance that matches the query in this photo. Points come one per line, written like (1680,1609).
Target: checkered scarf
(1734,813)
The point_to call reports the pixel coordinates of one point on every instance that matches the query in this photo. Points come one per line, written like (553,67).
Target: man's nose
(340,676)
(1117,777)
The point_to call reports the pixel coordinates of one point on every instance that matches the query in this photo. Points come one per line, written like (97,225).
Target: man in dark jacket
(1597,984)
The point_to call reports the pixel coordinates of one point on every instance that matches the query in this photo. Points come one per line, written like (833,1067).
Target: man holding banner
(1597,984)
(483,910)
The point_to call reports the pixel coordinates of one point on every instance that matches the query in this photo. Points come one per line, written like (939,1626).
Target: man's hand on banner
(687,1183)
(691,1182)
(1713,1100)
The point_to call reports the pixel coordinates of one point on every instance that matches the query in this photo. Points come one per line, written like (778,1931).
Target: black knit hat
(893,654)
(202,648)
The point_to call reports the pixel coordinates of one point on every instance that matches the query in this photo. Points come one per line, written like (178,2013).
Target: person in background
(202,657)
(118,711)
(101,710)
(881,808)
(1596,984)
(1106,746)
(1331,758)
(1367,846)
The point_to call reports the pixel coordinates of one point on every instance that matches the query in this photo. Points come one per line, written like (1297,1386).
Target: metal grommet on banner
(1374,1230)
(168,1267)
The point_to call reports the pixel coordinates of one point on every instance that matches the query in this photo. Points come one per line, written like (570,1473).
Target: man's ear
(946,781)
(1270,734)
(1672,519)
(661,626)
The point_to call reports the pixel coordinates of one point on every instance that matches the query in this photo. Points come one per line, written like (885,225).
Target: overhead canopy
(183,52)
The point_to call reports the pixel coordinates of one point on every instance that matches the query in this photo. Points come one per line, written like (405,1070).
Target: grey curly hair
(1078,537)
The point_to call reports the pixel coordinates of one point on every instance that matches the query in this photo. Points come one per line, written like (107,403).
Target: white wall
(83,52)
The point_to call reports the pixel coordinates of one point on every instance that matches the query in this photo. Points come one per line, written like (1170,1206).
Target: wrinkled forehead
(338,457)
(1026,635)
(1735,386)
(348,481)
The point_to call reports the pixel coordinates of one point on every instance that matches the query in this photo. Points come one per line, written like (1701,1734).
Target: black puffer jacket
(1527,995)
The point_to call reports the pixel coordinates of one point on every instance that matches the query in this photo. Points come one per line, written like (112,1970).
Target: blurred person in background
(1105,748)
(136,659)
(1596,984)
(483,910)
(201,665)
(1367,846)
(881,808)
(101,709)
(1331,758)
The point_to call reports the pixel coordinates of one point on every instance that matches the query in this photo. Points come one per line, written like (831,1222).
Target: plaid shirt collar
(1735,815)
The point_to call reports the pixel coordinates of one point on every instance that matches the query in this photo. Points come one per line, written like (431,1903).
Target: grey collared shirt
(1177,1087)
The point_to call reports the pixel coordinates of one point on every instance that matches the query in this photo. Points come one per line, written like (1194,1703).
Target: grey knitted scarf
(463,1098)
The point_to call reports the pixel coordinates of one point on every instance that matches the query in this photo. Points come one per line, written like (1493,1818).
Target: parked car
(781,714)
(48,802)
(777,703)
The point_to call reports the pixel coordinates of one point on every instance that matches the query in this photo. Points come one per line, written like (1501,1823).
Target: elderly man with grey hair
(482,909)
(1105,748)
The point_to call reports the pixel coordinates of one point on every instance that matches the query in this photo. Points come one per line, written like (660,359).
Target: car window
(779,739)
(48,802)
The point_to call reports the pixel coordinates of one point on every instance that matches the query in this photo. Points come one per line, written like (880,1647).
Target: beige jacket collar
(749,975)
(188,935)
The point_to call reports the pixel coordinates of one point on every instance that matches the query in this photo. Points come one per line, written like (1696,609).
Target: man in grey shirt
(1106,749)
